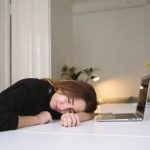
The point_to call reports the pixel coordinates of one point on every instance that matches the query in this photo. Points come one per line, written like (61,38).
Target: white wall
(62,38)
(4,44)
(115,40)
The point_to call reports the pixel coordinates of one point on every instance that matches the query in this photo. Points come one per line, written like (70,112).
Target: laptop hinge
(139,114)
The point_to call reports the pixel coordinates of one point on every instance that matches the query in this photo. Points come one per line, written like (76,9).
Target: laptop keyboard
(124,116)
(115,117)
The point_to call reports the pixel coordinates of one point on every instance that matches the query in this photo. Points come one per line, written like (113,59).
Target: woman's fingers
(77,119)
(69,120)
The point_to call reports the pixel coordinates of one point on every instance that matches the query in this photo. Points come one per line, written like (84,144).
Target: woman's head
(78,92)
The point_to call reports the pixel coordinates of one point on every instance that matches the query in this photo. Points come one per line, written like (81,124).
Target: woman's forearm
(41,118)
(83,116)
(26,121)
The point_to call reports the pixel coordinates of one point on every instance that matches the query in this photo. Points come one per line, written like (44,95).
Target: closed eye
(71,101)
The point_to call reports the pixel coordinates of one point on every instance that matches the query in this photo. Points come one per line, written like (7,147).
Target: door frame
(5,79)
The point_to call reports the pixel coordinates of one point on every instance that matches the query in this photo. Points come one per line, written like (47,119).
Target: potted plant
(71,73)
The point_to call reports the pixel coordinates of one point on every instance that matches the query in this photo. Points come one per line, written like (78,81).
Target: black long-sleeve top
(25,97)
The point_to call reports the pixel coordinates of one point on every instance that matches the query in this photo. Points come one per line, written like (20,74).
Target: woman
(32,101)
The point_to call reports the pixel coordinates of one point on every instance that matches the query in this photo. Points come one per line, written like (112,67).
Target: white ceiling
(88,6)
(106,0)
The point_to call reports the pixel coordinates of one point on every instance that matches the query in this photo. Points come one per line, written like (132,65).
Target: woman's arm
(26,121)
(71,119)
(41,118)
(83,116)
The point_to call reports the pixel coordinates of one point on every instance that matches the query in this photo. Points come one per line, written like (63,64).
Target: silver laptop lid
(143,95)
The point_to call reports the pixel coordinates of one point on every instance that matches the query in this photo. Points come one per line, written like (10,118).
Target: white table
(90,135)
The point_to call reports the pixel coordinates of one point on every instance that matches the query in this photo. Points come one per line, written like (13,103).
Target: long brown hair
(76,89)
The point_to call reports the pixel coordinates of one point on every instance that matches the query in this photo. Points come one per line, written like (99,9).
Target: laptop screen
(143,95)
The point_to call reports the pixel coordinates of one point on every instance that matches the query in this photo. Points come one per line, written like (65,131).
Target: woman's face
(63,104)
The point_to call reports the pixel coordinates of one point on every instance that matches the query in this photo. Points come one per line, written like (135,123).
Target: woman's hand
(41,118)
(69,120)
(44,117)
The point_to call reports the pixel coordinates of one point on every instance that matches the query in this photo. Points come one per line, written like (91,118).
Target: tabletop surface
(88,135)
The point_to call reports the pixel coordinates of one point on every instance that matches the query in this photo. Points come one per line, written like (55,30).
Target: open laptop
(139,114)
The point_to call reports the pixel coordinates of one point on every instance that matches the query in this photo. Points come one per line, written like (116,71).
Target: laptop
(141,104)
